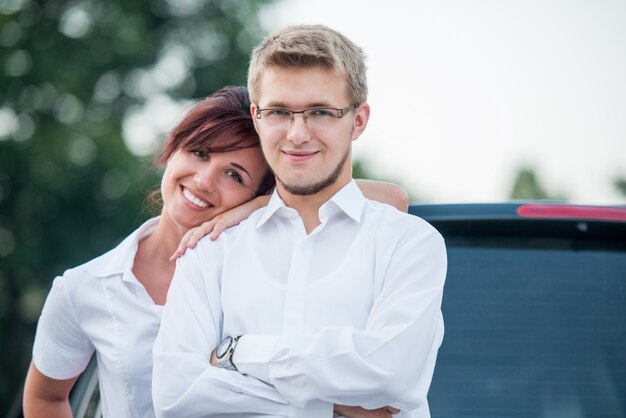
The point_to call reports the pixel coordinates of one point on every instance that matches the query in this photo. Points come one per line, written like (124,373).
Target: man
(322,298)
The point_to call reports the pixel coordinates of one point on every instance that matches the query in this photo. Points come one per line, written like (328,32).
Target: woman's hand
(215,227)
(358,412)
(218,224)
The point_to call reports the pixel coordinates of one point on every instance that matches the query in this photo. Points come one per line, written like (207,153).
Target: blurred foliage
(526,187)
(620,185)
(70,72)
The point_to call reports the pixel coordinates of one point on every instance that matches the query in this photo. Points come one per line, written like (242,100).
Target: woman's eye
(200,154)
(235,176)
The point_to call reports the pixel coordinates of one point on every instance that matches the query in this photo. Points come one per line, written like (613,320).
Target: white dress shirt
(349,314)
(101,306)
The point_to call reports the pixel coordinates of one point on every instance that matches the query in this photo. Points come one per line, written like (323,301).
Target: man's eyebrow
(241,168)
(319,104)
(282,105)
(275,104)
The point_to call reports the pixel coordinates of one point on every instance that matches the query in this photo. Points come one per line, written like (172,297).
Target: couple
(320,302)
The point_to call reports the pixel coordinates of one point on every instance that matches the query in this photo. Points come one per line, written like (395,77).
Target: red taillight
(577,212)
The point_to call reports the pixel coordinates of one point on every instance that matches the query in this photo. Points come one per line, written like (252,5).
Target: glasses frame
(340,113)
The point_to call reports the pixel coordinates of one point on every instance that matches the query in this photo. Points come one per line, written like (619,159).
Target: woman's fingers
(191,238)
(198,233)
(218,228)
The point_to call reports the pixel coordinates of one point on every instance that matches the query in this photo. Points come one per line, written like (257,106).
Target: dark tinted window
(532,332)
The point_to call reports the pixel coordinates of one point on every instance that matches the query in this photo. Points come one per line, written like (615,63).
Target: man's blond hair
(309,46)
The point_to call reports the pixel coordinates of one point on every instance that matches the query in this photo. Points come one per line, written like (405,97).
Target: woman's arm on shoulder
(384,192)
(46,397)
(219,223)
(381,191)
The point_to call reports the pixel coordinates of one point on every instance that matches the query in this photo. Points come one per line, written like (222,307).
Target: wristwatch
(225,351)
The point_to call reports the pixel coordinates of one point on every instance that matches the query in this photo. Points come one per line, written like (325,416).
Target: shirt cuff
(252,355)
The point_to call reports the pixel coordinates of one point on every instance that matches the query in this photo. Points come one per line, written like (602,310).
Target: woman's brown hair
(219,123)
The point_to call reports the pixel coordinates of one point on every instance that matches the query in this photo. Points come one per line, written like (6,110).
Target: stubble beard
(310,189)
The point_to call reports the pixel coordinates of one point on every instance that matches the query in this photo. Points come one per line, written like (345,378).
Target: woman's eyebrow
(241,168)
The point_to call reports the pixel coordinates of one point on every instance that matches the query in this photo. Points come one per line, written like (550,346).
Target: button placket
(295,292)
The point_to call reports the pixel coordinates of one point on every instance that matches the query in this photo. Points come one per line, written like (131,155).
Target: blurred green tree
(620,185)
(72,75)
(526,186)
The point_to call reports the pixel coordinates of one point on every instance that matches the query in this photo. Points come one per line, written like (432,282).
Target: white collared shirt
(349,314)
(102,306)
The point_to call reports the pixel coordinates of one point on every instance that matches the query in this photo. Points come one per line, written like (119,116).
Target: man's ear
(253,114)
(360,120)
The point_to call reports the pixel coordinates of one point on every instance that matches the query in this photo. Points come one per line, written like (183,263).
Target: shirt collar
(273,205)
(349,200)
(121,258)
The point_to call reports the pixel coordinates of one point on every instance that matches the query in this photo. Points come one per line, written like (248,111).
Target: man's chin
(303,189)
(307,189)
(299,187)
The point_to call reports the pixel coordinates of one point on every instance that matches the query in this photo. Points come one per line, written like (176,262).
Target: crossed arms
(389,362)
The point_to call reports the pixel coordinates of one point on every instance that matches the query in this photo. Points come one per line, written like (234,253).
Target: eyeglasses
(315,117)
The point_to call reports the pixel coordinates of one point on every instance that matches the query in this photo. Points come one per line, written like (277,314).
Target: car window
(533,329)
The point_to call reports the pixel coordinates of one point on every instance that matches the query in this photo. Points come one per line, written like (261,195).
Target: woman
(112,304)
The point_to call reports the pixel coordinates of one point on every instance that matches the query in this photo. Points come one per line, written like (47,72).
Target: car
(534,308)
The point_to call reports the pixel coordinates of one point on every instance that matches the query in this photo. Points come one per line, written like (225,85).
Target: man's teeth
(194,199)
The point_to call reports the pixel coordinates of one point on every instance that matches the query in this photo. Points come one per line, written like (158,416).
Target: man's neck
(308,206)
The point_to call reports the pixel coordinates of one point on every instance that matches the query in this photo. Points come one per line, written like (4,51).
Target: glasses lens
(320,118)
(276,117)
(314,118)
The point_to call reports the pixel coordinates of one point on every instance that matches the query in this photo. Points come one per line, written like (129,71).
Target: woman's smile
(190,197)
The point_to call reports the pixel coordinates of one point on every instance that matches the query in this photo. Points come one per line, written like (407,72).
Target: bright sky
(465,92)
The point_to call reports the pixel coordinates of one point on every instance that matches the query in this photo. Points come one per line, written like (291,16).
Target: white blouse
(348,314)
(101,306)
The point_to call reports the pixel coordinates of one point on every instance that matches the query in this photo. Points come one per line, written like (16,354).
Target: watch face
(222,349)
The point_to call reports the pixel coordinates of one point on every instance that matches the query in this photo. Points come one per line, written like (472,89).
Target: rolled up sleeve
(62,349)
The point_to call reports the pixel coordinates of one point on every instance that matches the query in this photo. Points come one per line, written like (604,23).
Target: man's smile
(299,156)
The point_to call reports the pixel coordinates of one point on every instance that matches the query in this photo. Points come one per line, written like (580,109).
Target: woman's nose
(206,180)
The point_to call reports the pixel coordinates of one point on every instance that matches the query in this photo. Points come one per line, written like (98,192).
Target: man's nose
(298,131)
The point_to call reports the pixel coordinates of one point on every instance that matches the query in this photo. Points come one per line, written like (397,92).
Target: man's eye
(234,175)
(279,113)
(320,113)
(200,154)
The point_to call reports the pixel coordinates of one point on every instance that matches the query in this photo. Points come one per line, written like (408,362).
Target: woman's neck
(162,243)
(152,265)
